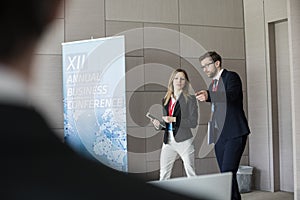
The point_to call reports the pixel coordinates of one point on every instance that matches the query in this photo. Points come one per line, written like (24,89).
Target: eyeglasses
(207,65)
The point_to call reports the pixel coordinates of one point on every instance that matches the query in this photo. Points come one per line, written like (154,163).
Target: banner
(94,99)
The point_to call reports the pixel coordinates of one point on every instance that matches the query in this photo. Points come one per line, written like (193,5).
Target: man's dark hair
(213,55)
(21,22)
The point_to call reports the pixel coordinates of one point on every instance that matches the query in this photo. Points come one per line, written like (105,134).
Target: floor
(264,195)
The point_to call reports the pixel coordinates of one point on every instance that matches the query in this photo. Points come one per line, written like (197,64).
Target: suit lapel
(222,81)
(177,105)
(166,109)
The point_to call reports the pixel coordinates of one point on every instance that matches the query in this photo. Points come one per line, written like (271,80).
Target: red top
(171,106)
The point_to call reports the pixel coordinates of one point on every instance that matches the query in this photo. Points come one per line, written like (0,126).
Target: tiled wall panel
(84,19)
(212,13)
(160,35)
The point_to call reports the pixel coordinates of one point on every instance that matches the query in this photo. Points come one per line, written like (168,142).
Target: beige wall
(257,15)
(293,13)
(160,35)
(285,17)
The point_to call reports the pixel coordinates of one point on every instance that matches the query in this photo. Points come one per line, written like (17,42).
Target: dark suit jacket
(36,165)
(186,113)
(228,100)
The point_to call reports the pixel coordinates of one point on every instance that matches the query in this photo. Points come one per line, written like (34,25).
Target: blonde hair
(185,90)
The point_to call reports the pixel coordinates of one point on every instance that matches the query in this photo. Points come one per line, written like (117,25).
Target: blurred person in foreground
(35,164)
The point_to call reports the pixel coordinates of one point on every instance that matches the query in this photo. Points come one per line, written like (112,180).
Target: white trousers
(169,153)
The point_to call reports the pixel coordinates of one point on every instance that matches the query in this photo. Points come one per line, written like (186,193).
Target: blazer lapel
(177,105)
(166,109)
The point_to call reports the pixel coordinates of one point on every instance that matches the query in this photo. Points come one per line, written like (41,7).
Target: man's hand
(201,95)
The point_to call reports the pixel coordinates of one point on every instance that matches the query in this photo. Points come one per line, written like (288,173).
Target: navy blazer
(228,106)
(186,113)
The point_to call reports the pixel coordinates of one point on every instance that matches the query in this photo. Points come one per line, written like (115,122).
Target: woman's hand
(155,123)
(169,119)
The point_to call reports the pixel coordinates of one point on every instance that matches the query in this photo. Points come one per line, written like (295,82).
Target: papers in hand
(212,132)
(151,117)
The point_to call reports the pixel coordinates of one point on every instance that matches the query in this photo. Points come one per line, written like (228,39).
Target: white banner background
(94,99)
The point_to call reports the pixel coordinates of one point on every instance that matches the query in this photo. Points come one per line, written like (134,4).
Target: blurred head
(22,25)
(211,63)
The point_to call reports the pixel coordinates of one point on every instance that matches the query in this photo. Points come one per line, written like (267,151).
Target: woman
(180,114)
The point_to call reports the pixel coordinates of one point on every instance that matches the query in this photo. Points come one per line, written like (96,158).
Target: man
(35,164)
(229,121)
